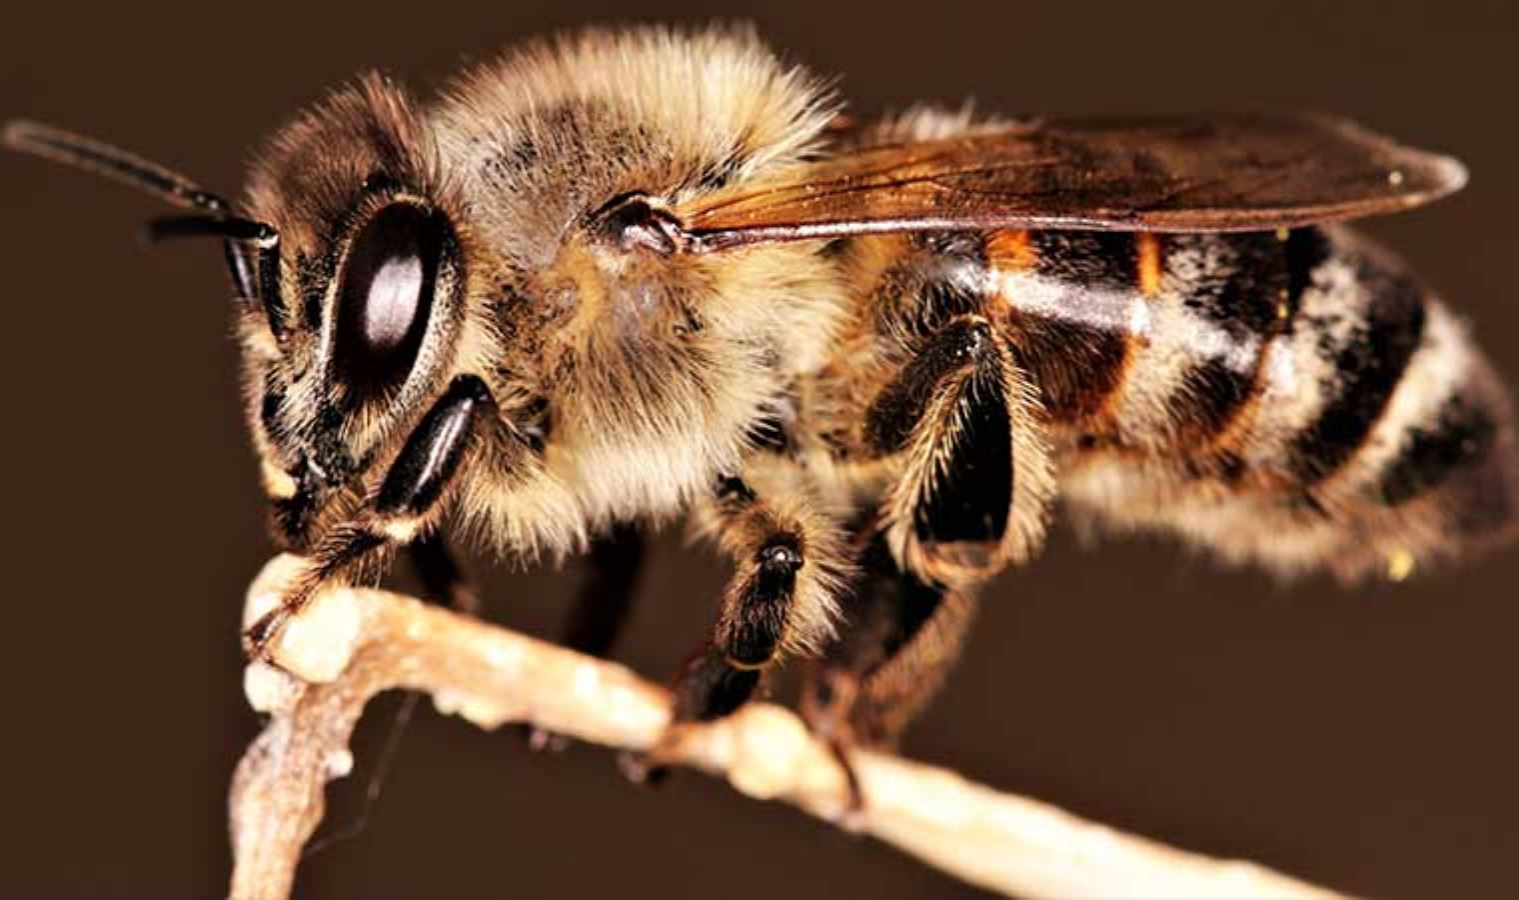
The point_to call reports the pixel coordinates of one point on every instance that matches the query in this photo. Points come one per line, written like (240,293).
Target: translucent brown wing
(1231,173)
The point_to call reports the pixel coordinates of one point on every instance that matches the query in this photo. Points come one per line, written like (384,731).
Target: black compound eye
(386,297)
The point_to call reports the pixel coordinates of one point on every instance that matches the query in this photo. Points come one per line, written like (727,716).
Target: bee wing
(1228,173)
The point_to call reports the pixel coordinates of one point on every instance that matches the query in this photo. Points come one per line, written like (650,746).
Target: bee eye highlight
(394,294)
(385,297)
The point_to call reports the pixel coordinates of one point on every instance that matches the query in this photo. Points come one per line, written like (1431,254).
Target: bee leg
(708,688)
(899,637)
(601,606)
(442,576)
(605,596)
(405,505)
(958,514)
(957,413)
(711,687)
(779,601)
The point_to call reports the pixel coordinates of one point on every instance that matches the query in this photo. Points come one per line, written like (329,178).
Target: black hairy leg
(441,575)
(949,417)
(779,601)
(406,504)
(897,640)
(601,606)
(898,637)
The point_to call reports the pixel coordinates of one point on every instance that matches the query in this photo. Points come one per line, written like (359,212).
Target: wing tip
(1416,174)
(1421,177)
(20,134)
(1451,174)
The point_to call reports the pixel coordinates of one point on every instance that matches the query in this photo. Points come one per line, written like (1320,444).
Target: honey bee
(628,277)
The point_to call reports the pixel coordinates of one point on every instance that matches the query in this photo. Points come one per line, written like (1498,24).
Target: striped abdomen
(1294,398)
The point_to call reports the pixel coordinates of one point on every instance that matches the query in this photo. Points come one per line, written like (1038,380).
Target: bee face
(372,286)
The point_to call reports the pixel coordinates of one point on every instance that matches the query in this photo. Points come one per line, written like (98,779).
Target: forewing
(1231,173)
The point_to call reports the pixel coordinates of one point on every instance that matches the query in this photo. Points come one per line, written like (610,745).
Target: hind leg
(959,512)
(899,637)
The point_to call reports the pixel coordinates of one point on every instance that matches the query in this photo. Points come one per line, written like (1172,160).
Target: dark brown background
(1364,738)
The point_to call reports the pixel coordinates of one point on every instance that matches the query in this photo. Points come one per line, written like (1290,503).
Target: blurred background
(1363,738)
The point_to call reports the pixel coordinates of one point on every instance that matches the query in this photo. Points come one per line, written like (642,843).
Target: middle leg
(780,601)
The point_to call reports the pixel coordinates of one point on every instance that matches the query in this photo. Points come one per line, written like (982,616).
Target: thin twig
(353,644)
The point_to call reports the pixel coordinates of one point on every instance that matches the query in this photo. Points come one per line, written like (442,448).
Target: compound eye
(386,297)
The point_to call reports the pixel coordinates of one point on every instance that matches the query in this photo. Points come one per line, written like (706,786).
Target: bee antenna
(103,159)
(232,228)
(214,215)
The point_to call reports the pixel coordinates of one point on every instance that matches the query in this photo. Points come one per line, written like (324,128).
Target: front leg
(406,504)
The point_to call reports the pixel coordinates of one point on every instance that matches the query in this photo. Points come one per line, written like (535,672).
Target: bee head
(519,229)
(348,261)
(361,324)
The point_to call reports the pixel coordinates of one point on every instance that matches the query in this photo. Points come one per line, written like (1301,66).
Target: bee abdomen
(1435,475)
(1149,341)
(1363,351)
(1070,298)
(1354,428)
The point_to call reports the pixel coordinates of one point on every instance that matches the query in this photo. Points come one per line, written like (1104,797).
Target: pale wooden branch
(353,644)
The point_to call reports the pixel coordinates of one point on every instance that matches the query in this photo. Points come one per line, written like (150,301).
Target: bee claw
(643,768)
(258,637)
(853,818)
(840,745)
(541,740)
